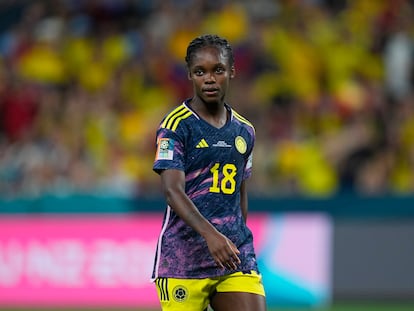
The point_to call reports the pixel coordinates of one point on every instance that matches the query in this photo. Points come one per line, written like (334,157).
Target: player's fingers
(232,261)
(236,260)
(232,265)
(227,257)
(234,256)
(219,263)
(234,247)
(228,262)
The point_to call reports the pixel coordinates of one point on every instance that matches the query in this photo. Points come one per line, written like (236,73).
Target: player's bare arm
(244,200)
(223,251)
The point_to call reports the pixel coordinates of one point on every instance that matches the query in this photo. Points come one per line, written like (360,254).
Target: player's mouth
(211,91)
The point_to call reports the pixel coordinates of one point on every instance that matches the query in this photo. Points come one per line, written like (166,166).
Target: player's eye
(220,70)
(198,72)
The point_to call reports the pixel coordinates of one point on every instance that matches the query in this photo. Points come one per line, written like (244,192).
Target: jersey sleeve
(249,162)
(248,167)
(170,151)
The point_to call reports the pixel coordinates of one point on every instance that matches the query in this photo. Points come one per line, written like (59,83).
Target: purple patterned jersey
(215,162)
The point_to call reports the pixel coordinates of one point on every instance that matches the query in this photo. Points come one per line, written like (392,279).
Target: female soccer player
(205,253)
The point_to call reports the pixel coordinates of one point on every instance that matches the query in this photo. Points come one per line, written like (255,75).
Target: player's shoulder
(172,119)
(242,120)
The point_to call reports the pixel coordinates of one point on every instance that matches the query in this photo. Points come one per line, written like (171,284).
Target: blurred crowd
(329,86)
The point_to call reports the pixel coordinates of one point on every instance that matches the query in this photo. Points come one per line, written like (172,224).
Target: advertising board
(106,259)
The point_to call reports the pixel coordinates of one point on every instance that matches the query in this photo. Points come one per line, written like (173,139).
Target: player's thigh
(183,294)
(230,301)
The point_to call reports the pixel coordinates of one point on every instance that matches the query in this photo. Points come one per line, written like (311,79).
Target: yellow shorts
(194,294)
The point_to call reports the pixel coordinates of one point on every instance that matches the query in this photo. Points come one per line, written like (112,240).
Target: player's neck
(214,113)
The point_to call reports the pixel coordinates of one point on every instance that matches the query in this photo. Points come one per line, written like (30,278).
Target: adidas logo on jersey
(202,144)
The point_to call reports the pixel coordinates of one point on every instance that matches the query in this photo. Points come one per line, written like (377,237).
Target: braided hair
(209,40)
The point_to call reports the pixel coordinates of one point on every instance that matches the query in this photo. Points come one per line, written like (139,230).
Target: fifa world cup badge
(165,150)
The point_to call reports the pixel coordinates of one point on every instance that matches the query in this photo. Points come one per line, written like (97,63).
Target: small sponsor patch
(222,143)
(165,149)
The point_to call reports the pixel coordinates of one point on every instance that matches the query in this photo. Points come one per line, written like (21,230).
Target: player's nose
(209,78)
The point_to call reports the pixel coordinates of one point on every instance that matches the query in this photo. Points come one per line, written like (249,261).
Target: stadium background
(328,84)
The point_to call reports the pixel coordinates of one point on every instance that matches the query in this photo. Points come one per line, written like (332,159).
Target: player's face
(210,73)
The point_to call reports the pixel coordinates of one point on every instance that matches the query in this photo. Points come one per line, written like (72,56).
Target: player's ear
(188,75)
(232,72)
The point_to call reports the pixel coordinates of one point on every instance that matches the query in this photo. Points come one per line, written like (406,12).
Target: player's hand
(223,250)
